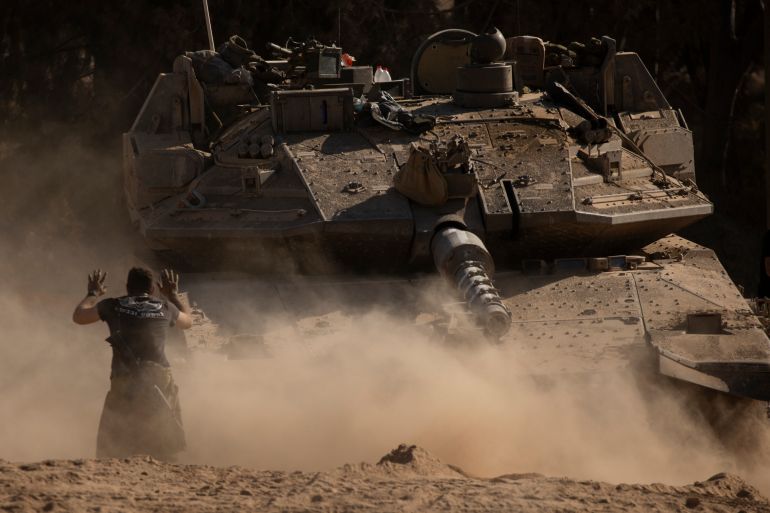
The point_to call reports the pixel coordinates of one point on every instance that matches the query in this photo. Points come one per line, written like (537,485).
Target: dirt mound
(406,461)
(414,459)
(406,479)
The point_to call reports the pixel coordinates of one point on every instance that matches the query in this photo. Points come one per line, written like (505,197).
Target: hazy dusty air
(348,393)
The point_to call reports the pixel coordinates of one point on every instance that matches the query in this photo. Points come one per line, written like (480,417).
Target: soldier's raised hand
(169,283)
(96,286)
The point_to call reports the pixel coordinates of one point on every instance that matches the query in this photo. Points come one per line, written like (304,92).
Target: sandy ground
(407,479)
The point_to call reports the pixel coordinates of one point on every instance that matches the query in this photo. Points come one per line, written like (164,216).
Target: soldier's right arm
(184,319)
(169,287)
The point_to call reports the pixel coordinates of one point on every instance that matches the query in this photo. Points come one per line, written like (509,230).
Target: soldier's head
(140,281)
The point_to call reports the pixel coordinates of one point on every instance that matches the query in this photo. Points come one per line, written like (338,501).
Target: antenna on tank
(208,24)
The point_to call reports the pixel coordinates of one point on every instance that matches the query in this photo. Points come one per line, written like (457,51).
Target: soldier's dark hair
(139,281)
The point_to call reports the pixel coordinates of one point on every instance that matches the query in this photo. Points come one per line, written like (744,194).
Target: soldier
(141,411)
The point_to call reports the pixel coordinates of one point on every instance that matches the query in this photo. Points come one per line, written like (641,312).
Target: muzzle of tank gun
(461,257)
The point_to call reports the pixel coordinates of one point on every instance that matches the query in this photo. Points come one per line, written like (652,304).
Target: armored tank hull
(566,180)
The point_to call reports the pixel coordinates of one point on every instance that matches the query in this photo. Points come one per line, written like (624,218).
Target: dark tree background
(85,68)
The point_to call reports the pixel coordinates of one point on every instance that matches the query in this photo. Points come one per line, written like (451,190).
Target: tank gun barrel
(461,257)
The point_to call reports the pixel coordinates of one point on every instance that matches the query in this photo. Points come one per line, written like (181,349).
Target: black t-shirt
(143,323)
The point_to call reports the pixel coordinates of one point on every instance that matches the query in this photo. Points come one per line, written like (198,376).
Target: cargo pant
(141,415)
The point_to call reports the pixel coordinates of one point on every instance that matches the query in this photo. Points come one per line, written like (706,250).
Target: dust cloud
(347,394)
(350,395)
(59,217)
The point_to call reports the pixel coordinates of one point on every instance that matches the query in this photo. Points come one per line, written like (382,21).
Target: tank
(540,182)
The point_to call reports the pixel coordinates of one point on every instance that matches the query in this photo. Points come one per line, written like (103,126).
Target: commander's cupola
(487,81)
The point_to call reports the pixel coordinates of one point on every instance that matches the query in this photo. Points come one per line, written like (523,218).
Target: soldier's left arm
(87,312)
